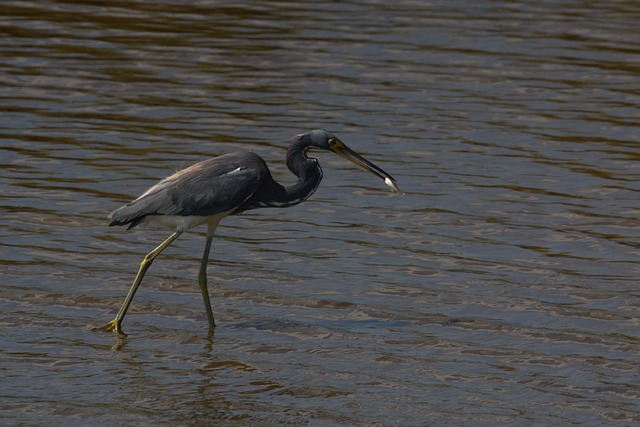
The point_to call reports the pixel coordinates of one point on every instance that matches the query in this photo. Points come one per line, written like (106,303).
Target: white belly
(185,223)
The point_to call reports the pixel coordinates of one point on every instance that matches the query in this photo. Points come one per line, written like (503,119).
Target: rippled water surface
(502,288)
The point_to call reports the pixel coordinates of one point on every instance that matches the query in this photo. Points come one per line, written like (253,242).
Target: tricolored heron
(230,184)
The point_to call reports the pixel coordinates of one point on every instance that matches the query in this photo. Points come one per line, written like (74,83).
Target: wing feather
(209,187)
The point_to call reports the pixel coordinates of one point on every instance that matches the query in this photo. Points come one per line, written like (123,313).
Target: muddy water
(500,289)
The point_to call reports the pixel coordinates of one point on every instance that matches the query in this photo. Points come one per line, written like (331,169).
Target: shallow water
(500,289)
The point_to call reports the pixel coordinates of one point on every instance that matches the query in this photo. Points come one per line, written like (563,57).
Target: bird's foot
(112,326)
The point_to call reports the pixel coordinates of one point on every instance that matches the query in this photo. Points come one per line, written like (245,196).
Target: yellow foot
(112,326)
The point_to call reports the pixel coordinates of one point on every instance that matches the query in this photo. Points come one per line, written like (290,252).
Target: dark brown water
(501,289)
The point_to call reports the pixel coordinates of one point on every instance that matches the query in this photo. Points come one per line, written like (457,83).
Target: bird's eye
(332,142)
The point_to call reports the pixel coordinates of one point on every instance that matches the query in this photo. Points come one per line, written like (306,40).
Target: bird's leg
(115,324)
(202,281)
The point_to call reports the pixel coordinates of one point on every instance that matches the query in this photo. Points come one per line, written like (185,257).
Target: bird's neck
(275,195)
(308,172)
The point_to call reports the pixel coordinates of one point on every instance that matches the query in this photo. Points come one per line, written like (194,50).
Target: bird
(230,184)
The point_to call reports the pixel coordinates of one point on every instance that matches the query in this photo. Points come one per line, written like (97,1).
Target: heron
(230,184)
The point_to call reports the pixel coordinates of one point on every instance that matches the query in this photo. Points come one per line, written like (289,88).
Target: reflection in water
(501,287)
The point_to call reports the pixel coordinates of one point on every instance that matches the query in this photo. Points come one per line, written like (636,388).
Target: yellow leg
(202,281)
(116,324)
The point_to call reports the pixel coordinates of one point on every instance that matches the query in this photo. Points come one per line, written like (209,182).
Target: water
(500,289)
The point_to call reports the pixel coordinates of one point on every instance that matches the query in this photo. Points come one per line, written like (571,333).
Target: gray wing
(209,187)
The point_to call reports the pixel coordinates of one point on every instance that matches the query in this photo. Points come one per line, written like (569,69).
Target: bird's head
(320,139)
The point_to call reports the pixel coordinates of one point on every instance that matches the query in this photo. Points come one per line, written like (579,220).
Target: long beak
(343,151)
